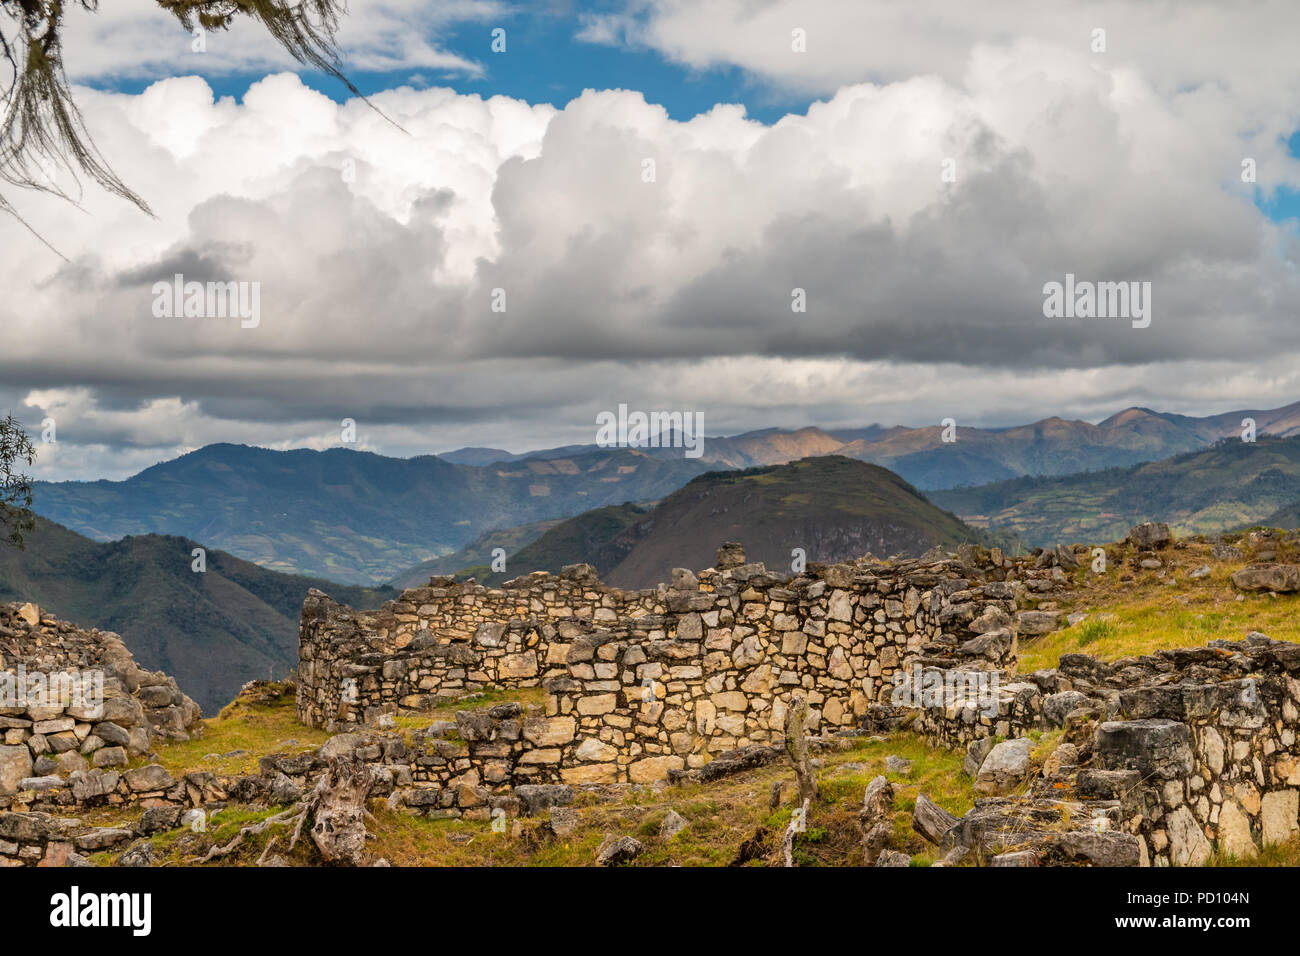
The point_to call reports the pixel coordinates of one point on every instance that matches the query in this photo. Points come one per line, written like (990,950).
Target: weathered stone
(1282,578)
(15,765)
(1006,767)
(623,850)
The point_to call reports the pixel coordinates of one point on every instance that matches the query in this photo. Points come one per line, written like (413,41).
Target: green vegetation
(1131,612)
(346,515)
(1226,486)
(835,508)
(15,487)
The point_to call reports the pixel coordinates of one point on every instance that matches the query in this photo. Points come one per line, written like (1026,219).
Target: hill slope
(476,554)
(834,508)
(1229,485)
(212,631)
(347,515)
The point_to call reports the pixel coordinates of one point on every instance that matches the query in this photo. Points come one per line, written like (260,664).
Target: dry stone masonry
(50,732)
(642,683)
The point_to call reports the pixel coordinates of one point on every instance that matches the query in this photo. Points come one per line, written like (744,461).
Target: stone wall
(1196,748)
(45,735)
(642,682)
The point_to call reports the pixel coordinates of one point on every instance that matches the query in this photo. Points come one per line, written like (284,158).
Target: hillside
(476,554)
(346,515)
(834,508)
(212,631)
(1229,485)
(594,537)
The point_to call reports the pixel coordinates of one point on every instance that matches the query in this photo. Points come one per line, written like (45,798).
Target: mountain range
(347,515)
(1050,446)
(1226,486)
(362,518)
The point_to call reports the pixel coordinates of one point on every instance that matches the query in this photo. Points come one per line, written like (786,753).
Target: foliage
(15,487)
(42,127)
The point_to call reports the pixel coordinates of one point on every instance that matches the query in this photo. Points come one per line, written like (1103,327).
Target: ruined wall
(47,733)
(643,682)
(1196,747)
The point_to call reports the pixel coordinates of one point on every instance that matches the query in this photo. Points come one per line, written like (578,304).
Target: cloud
(136,39)
(379,254)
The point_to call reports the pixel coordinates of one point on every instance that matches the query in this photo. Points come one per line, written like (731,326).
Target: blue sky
(545,61)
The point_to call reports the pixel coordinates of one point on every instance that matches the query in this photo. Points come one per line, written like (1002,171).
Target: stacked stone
(46,741)
(642,683)
(1204,749)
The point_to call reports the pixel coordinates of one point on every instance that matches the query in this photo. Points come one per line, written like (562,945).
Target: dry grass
(1144,614)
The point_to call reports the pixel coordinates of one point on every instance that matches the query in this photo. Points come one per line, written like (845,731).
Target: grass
(256,728)
(1143,614)
(721,816)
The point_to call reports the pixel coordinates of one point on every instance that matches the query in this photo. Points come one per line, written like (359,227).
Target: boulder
(1034,623)
(623,850)
(1005,768)
(1282,578)
(1150,534)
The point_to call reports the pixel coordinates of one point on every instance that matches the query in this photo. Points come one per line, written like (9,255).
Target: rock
(159,820)
(1065,558)
(92,784)
(1277,816)
(41,783)
(1034,623)
(151,777)
(976,751)
(1150,534)
(109,757)
(1111,848)
(1057,706)
(1235,838)
(1005,768)
(730,555)
(30,614)
(684,579)
(1202,572)
(15,766)
(564,820)
(101,838)
(1065,757)
(953,856)
(876,818)
(893,858)
(623,850)
(1016,858)
(536,797)
(896,764)
(1159,749)
(1224,552)
(673,824)
(1282,578)
(1187,843)
(930,820)
(141,854)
